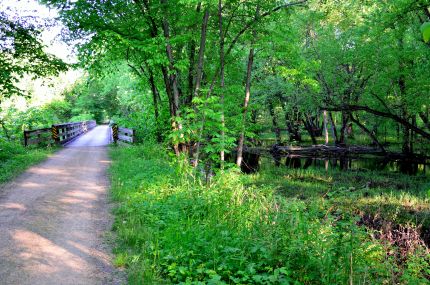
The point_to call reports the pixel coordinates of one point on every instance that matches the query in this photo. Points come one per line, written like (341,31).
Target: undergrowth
(275,227)
(15,159)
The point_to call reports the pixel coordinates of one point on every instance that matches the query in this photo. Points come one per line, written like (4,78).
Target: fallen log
(321,150)
(325,151)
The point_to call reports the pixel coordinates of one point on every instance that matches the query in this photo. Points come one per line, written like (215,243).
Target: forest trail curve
(54,217)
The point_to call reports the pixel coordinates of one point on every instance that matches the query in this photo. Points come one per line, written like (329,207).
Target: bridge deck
(53,218)
(99,136)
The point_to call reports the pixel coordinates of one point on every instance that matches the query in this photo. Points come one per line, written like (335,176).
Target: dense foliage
(21,53)
(277,227)
(207,79)
(23,58)
(221,73)
(15,159)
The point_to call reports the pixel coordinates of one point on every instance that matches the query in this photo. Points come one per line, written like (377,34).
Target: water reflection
(252,162)
(348,163)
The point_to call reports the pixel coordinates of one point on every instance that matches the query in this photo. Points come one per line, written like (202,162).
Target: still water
(340,163)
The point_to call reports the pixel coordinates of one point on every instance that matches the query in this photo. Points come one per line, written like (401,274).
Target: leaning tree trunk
(310,128)
(222,81)
(292,128)
(5,130)
(199,74)
(333,128)
(245,105)
(247,93)
(156,100)
(325,127)
(345,119)
(172,83)
(191,67)
(368,132)
(424,117)
(276,128)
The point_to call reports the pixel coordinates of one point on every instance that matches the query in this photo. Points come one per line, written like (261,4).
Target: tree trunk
(343,129)
(333,128)
(309,126)
(191,68)
(406,148)
(325,121)
(199,73)
(155,97)
(368,132)
(275,123)
(222,81)
(247,97)
(425,120)
(200,62)
(399,119)
(292,128)
(176,124)
(5,130)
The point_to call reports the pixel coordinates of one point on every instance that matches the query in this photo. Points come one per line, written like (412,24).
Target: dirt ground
(55,219)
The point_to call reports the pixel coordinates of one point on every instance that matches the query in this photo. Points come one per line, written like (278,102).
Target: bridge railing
(125,135)
(58,133)
(37,136)
(63,133)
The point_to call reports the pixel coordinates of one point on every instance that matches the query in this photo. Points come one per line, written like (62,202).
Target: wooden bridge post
(115,133)
(25,138)
(55,134)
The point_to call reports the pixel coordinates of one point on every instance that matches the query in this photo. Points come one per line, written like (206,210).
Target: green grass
(397,197)
(15,159)
(280,226)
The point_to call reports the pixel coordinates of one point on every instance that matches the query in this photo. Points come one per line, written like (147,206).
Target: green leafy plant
(425,30)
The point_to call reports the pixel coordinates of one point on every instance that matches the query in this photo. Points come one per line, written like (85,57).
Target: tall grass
(15,159)
(173,230)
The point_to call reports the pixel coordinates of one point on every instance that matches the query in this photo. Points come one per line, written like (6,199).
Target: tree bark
(310,128)
(345,119)
(325,120)
(200,62)
(200,65)
(275,123)
(191,68)
(247,96)
(176,124)
(368,132)
(222,80)
(5,130)
(155,98)
(401,121)
(245,106)
(333,128)
(425,119)
(170,83)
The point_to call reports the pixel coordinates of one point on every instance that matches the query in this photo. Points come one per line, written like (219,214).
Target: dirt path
(54,219)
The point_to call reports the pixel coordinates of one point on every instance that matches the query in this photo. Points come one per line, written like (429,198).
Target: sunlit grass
(15,159)
(278,226)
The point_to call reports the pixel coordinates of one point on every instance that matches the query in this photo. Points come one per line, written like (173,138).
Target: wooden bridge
(53,217)
(63,134)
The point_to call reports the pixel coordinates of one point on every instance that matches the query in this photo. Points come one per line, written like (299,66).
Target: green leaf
(425,29)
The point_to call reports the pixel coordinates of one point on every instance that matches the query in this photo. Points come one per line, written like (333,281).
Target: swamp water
(369,163)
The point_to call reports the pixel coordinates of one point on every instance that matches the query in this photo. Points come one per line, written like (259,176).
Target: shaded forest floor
(395,198)
(278,226)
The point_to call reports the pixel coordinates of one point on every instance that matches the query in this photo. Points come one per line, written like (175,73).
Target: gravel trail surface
(54,219)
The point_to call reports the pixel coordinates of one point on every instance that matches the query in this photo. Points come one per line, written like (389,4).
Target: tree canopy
(22,52)
(222,72)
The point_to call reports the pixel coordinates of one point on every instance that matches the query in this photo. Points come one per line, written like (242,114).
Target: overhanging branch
(354,108)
